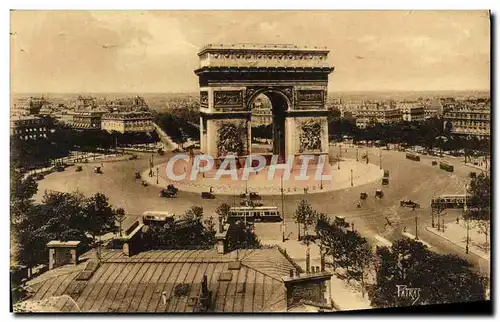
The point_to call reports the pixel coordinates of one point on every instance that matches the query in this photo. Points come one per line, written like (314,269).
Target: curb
(471,250)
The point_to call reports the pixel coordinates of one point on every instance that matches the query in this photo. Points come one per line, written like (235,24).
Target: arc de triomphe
(294,79)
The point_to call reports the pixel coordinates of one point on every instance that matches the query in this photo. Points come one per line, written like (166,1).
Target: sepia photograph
(250,161)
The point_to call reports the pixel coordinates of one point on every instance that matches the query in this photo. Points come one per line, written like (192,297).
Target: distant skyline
(156,51)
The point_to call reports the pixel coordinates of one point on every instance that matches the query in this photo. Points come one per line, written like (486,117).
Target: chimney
(62,253)
(312,288)
(205,295)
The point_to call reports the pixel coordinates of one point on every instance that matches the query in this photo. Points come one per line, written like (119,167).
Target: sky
(156,51)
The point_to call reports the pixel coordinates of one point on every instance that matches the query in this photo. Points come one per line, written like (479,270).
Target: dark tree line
(431,133)
(178,126)
(58,144)
(440,278)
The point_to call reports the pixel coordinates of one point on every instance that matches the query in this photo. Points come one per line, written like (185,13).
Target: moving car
(409,203)
(169,192)
(363,195)
(252,195)
(434,163)
(78,168)
(137,175)
(379,193)
(207,195)
(472,174)
(385,181)
(386,173)
(97,170)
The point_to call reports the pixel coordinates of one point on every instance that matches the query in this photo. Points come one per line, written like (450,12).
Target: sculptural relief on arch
(294,79)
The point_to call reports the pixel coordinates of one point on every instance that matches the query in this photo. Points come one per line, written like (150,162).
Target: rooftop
(136,283)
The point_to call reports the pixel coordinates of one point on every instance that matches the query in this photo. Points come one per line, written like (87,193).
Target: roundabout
(267,181)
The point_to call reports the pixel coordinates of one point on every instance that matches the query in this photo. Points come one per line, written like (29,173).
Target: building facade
(411,111)
(31,127)
(128,122)
(469,122)
(377,112)
(261,114)
(87,120)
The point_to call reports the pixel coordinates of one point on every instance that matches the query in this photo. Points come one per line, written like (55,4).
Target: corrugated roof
(136,283)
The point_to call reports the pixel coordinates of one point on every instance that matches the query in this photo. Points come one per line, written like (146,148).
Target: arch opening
(267,122)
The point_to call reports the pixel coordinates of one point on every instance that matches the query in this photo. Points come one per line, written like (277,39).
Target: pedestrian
(458,221)
(404,229)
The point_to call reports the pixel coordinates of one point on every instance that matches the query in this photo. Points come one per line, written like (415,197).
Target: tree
(483,227)
(120,217)
(305,215)
(195,213)
(100,216)
(332,238)
(223,210)
(408,263)
(241,236)
(359,257)
(480,197)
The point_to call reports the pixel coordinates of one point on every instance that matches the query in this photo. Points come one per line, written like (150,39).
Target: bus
(252,214)
(446,166)
(157,218)
(413,156)
(450,201)
(162,218)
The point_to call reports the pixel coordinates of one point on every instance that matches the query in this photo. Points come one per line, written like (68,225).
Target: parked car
(472,174)
(133,157)
(137,175)
(207,195)
(161,152)
(385,181)
(60,168)
(38,176)
(386,173)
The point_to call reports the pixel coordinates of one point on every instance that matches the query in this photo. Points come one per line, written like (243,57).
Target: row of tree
(407,264)
(59,143)
(178,127)
(431,133)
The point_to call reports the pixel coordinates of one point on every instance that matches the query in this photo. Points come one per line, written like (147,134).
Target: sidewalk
(456,234)
(345,296)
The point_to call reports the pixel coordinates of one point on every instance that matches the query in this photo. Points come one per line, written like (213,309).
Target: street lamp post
(416,228)
(157,172)
(380,157)
(351,179)
(357,154)
(340,150)
(432,215)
